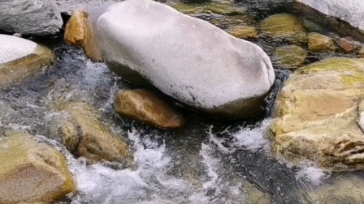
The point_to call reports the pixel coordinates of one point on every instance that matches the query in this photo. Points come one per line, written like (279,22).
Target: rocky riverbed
(74,130)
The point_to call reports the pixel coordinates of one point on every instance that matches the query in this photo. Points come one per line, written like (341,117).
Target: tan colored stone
(75,31)
(145,106)
(242,31)
(19,70)
(284,27)
(32,172)
(79,32)
(290,56)
(348,45)
(319,43)
(86,136)
(317,114)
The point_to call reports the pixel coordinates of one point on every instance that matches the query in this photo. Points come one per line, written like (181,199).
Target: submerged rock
(31,17)
(21,59)
(145,106)
(319,43)
(347,17)
(86,136)
(347,44)
(32,172)
(290,56)
(243,31)
(284,27)
(317,114)
(186,58)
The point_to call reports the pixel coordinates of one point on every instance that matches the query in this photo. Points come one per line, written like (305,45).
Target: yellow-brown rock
(317,114)
(290,56)
(21,59)
(243,31)
(32,172)
(147,107)
(84,135)
(319,43)
(284,27)
(80,32)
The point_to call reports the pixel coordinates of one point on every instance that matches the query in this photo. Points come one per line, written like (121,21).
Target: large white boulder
(186,58)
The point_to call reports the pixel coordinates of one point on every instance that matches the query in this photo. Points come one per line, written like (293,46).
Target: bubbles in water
(312,174)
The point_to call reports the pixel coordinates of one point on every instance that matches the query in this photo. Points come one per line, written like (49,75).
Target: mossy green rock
(284,27)
(216,7)
(32,172)
(242,31)
(290,57)
(317,114)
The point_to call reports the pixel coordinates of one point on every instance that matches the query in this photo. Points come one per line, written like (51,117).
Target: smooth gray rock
(30,17)
(186,58)
(351,12)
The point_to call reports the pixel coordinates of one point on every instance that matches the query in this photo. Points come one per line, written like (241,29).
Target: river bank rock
(186,58)
(317,114)
(290,56)
(32,172)
(84,135)
(145,106)
(345,17)
(284,27)
(32,17)
(319,43)
(21,59)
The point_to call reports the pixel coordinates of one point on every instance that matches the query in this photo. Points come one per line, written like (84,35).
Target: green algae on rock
(290,56)
(284,27)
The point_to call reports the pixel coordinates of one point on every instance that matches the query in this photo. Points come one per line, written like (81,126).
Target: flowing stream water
(209,161)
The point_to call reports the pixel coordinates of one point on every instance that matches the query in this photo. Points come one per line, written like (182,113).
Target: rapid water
(208,162)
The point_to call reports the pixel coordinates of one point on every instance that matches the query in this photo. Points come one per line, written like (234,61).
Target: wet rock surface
(284,27)
(320,43)
(146,106)
(21,59)
(317,113)
(290,56)
(31,172)
(87,137)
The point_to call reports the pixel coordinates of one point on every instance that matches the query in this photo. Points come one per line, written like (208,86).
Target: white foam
(13,48)
(312,174)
